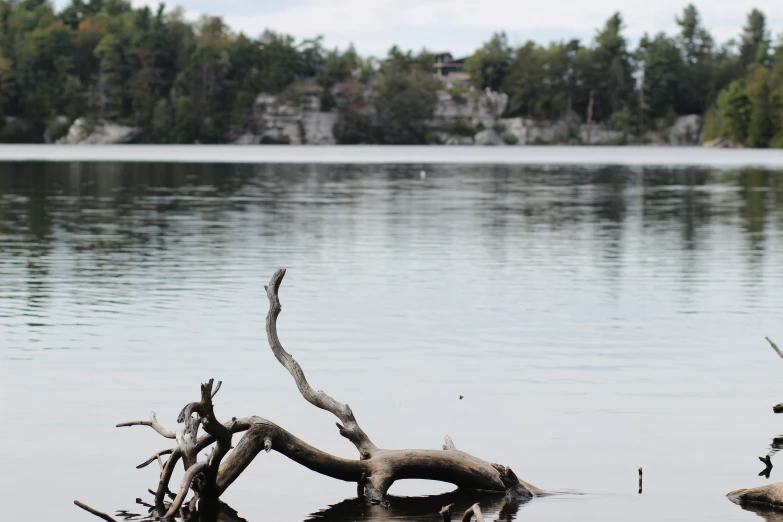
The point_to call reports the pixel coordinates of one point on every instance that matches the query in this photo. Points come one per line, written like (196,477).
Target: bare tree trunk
(589,116)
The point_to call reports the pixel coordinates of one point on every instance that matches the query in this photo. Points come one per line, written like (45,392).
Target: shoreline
(623,155)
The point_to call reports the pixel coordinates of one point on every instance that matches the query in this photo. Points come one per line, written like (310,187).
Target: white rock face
(279,122)
(686,131)
(318,127)
(488,137)
(599,134)
(531,132)
(485,108)
(102,133)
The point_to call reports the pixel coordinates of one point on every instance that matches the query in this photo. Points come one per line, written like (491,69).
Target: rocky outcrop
(56,129)
(686,131)
(770,496)
(276,121)
(531,132)
(83,132)
(488,137)
(719,143)
(471,107)
(445,138)
(16,130)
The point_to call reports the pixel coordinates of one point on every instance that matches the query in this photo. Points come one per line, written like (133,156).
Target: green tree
(113,73)
(405,98)
(735,109)
(610,71)
(755,40)
(488,65)
(765,121)
(696,78)
(43,64)
(663,69)
(526,74)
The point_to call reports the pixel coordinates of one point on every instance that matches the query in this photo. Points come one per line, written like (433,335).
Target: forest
(196,82)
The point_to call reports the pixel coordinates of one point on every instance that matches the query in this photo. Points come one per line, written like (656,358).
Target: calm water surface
(595,321)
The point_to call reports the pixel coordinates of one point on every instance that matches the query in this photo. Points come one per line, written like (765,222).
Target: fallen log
(374,471)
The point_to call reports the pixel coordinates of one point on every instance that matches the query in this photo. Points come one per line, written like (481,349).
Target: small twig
(446,512)
(774,347)
(154,457)
(99,514)
(472,511)
(152,423)
(449,444)
(145,504)
(214,392)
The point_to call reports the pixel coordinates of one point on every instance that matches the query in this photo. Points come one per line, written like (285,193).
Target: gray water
(595,321)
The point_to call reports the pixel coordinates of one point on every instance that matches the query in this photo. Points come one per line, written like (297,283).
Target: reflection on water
(595,321)
(493,507)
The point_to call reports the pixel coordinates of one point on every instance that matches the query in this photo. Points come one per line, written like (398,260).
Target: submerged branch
(99,514)
(472,511)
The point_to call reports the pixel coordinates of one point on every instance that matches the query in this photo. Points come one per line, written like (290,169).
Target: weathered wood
(774,347)
(155,457)
(99,514)
(473,511)
(778,408)
(187,480)
(374,471)
(349,428)
(202,413)
(382,466)
(152,423)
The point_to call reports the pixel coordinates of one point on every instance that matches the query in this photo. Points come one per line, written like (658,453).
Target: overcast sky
(460,26)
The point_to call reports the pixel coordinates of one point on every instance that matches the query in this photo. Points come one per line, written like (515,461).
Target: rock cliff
(98,133)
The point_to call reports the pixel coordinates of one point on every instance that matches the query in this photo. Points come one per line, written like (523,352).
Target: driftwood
(472,512)
(374,471)
(778,408)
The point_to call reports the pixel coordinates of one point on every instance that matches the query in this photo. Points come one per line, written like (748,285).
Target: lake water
(595,320)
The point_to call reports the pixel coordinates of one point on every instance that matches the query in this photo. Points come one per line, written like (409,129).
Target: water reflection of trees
(121,212)
(63,194)
(494,506)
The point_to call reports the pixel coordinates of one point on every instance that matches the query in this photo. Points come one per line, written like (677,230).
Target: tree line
(186,82)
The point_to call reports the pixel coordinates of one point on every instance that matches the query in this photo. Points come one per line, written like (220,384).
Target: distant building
(445,65)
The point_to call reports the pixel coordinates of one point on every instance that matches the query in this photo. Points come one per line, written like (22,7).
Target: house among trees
(449,69)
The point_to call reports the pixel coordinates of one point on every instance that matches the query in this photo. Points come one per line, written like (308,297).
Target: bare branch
(446,512)
(265,435)
(99,514)
(449,444)
(152,423)
(187,480)
(349,428)
(155,457)
(204,441)
(774,347)
(217,388)
(472,511)
(203,413)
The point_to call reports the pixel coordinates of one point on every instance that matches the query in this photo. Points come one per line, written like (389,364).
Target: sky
(461,26)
